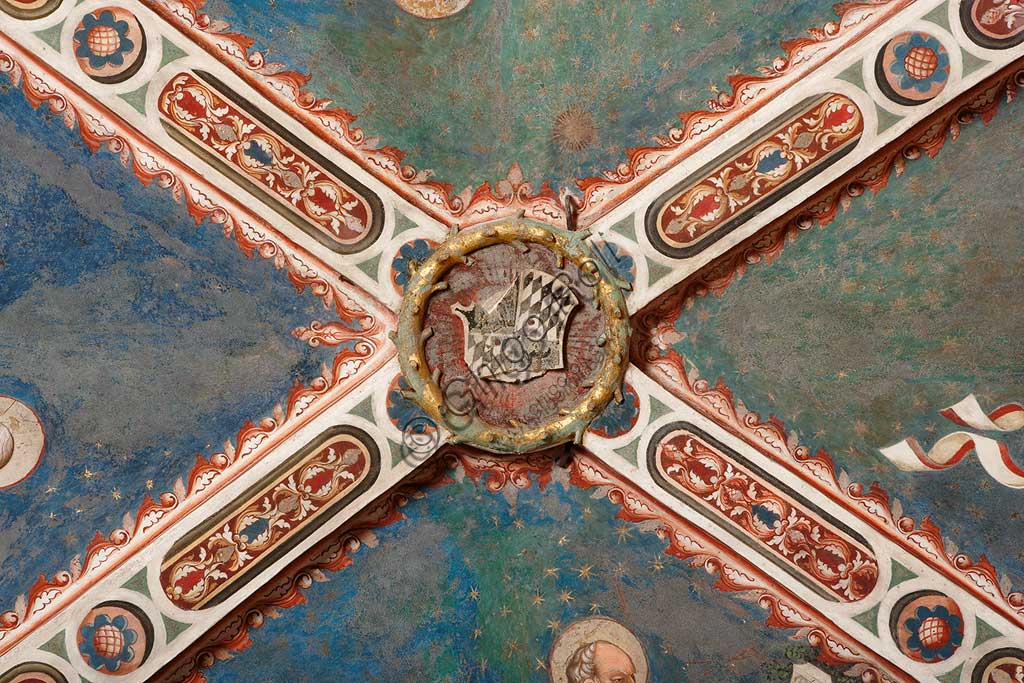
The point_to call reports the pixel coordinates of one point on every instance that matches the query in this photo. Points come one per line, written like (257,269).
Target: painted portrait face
(612,665)
(598,650)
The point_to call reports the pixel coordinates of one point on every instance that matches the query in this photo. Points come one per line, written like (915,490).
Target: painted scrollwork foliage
(689,543)
(273,517)
(654,331)
(698,211)
(515,193)
(99,128)
(326,474)
(994,24)
(324,200)
(691,465)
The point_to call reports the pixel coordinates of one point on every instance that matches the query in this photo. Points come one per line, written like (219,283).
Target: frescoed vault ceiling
(463,588)
(143,326)
(879,318)
(511,340)
(561,88)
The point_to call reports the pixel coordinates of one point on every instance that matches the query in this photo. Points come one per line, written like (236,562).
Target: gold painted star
(584,571)
(551,571)
(474,594)
(554,625)
(538,600)
(623,532)
(566,597)
(950,345)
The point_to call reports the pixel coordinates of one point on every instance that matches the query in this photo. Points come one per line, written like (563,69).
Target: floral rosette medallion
(115,638)
(110,44)
(912,68)
(928,626)
(513,336)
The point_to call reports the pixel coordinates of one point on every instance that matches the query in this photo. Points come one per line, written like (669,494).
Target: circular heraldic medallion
(513,336)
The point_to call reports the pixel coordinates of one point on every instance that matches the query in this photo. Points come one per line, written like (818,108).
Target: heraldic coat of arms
(519,334)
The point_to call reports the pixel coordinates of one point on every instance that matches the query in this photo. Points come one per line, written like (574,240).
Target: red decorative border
(315,197)
(233,633)
(749,93)
(286,89)
(653,326)
(688,542)
(704,471)
(99,127)
(332,472)
(685,221)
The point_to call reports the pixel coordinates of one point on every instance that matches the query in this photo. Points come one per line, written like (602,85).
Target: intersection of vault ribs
(677,338)
(336,335)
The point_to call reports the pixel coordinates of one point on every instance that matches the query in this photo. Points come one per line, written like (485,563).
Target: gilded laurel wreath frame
(426,387)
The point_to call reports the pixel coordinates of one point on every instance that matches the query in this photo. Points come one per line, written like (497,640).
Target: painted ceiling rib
(291,180)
